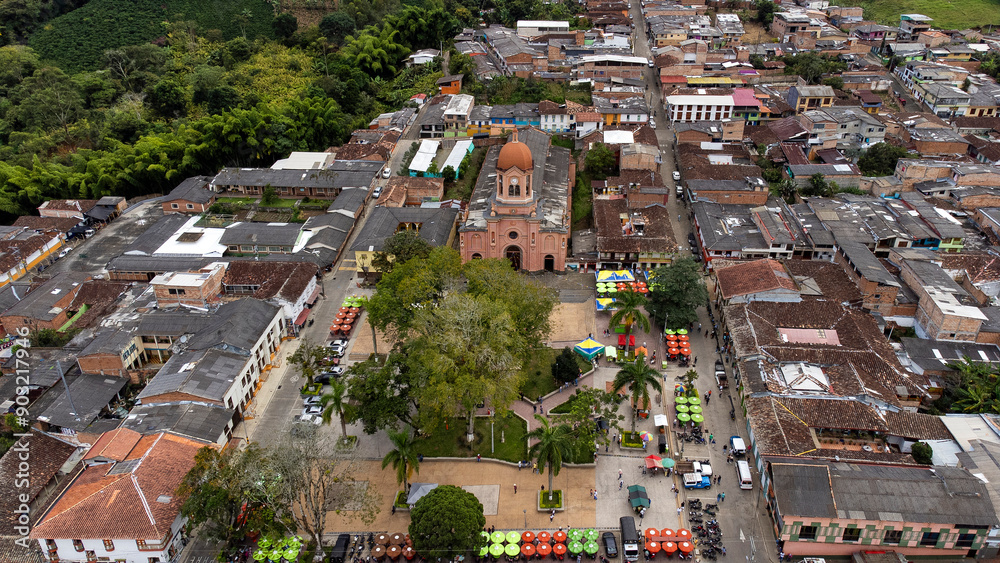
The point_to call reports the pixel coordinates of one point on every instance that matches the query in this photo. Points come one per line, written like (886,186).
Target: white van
(743,474)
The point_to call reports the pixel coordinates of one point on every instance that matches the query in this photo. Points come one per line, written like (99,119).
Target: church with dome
(520,207)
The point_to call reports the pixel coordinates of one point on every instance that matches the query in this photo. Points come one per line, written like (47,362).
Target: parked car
(312,410)
(652,123)
(676,175)
(691,240)
(377,193)
(309,419)
(610,544)
(66,251)
(338,342)
(386,172)
(313,400)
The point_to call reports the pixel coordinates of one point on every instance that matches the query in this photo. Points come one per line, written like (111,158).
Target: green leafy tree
(554,444)
(219,484)
(376,55)
(817,186)
(168,98)
(467,347)
(17,62)
(588,406)
(285,25)
(269,196)
(335,402)
(628,312)
(448,173)
(400,248)
(421,28)
(460,63)
(675,293)
(757,61)
(403,457)
(565,368)
(638,376)
(811,66)
(410,287)
(383,394)
(337,26)
(922,453)
(307,359)
(786,189)
(880,159)
(765,13)
(447,522)
(600,161)
(48,98)
(835,82)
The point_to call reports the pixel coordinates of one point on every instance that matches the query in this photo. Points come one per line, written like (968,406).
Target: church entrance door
(513,253)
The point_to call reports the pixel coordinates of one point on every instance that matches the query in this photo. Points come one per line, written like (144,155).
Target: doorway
(513,253)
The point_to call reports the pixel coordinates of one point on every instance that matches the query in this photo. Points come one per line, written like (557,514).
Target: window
(807,533)
(153,560)
(50,544)
(190,206)
(892,536)
(78,545)
(174,206)
(852,534)
(91,556)
(965,540)
(930,539)
(109,545)
(175,291)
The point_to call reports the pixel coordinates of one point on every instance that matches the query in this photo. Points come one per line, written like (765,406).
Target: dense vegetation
(946,14)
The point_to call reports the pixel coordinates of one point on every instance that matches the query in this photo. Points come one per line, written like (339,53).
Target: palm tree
(628,311)
(336,402)
(638,377)
(403,457)
(554,444)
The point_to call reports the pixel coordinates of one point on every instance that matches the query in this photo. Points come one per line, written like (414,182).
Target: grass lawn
(461,189)
(947,14)
(539,381)
(556,502)
(451,442)
(280,202)
(237,200)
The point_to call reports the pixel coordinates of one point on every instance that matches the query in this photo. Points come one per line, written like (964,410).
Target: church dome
(513,154)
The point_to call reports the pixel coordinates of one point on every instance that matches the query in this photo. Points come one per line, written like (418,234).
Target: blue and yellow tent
(615,276)
(589,348)
(605,303)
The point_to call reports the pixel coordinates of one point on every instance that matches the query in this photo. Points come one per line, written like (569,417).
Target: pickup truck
(697,475)
(720,374)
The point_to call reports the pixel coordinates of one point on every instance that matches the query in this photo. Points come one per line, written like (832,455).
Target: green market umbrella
(668,463)
(592,534)
(694,401)
(484,550)
(259,555)
(681,400)
(697,418)
(291,554)
(264,543)
(636,502)
(513,537)
(684,417)
(575,534)
(694,409)
(612,290)
(575,547)
(486,537)
(668,331)
(498,537)
(513,550)
(682,408)
(591,547)
(682,331)
(496,550)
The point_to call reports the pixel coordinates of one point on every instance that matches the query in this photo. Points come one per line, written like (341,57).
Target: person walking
(515,488)
(723,497)
(718,497)
(479,458)
(620,485)
(552,514)
(619,471)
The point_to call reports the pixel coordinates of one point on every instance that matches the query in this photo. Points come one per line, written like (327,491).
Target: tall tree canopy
(675,293)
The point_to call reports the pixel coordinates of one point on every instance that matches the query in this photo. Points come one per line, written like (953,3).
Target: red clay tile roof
(81,205)
(657,235)
(979,267)
(47,455)
(287,280)
(115,444)
(12,251)
(35,223)
(828,277)
(754,277)
(140,503)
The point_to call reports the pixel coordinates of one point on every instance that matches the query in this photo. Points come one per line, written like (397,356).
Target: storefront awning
(315,295)
(301,319)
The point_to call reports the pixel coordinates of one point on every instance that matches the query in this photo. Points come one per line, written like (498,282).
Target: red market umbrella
(651,532)
(643,290)
(397,539)
(355,309)
(673,351)
(347,321)
(671,337)
(683,534)
(528,550)
(666,533)
(560,537)
(652,546)
(393,551)
(685,547)
(408,552)
(351,315)
(669,547)
(378,552)
(559,549)
(651,462)
(528,537)
(544,549)
(685,351)
(544,537)
(683,337)
(621,340)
